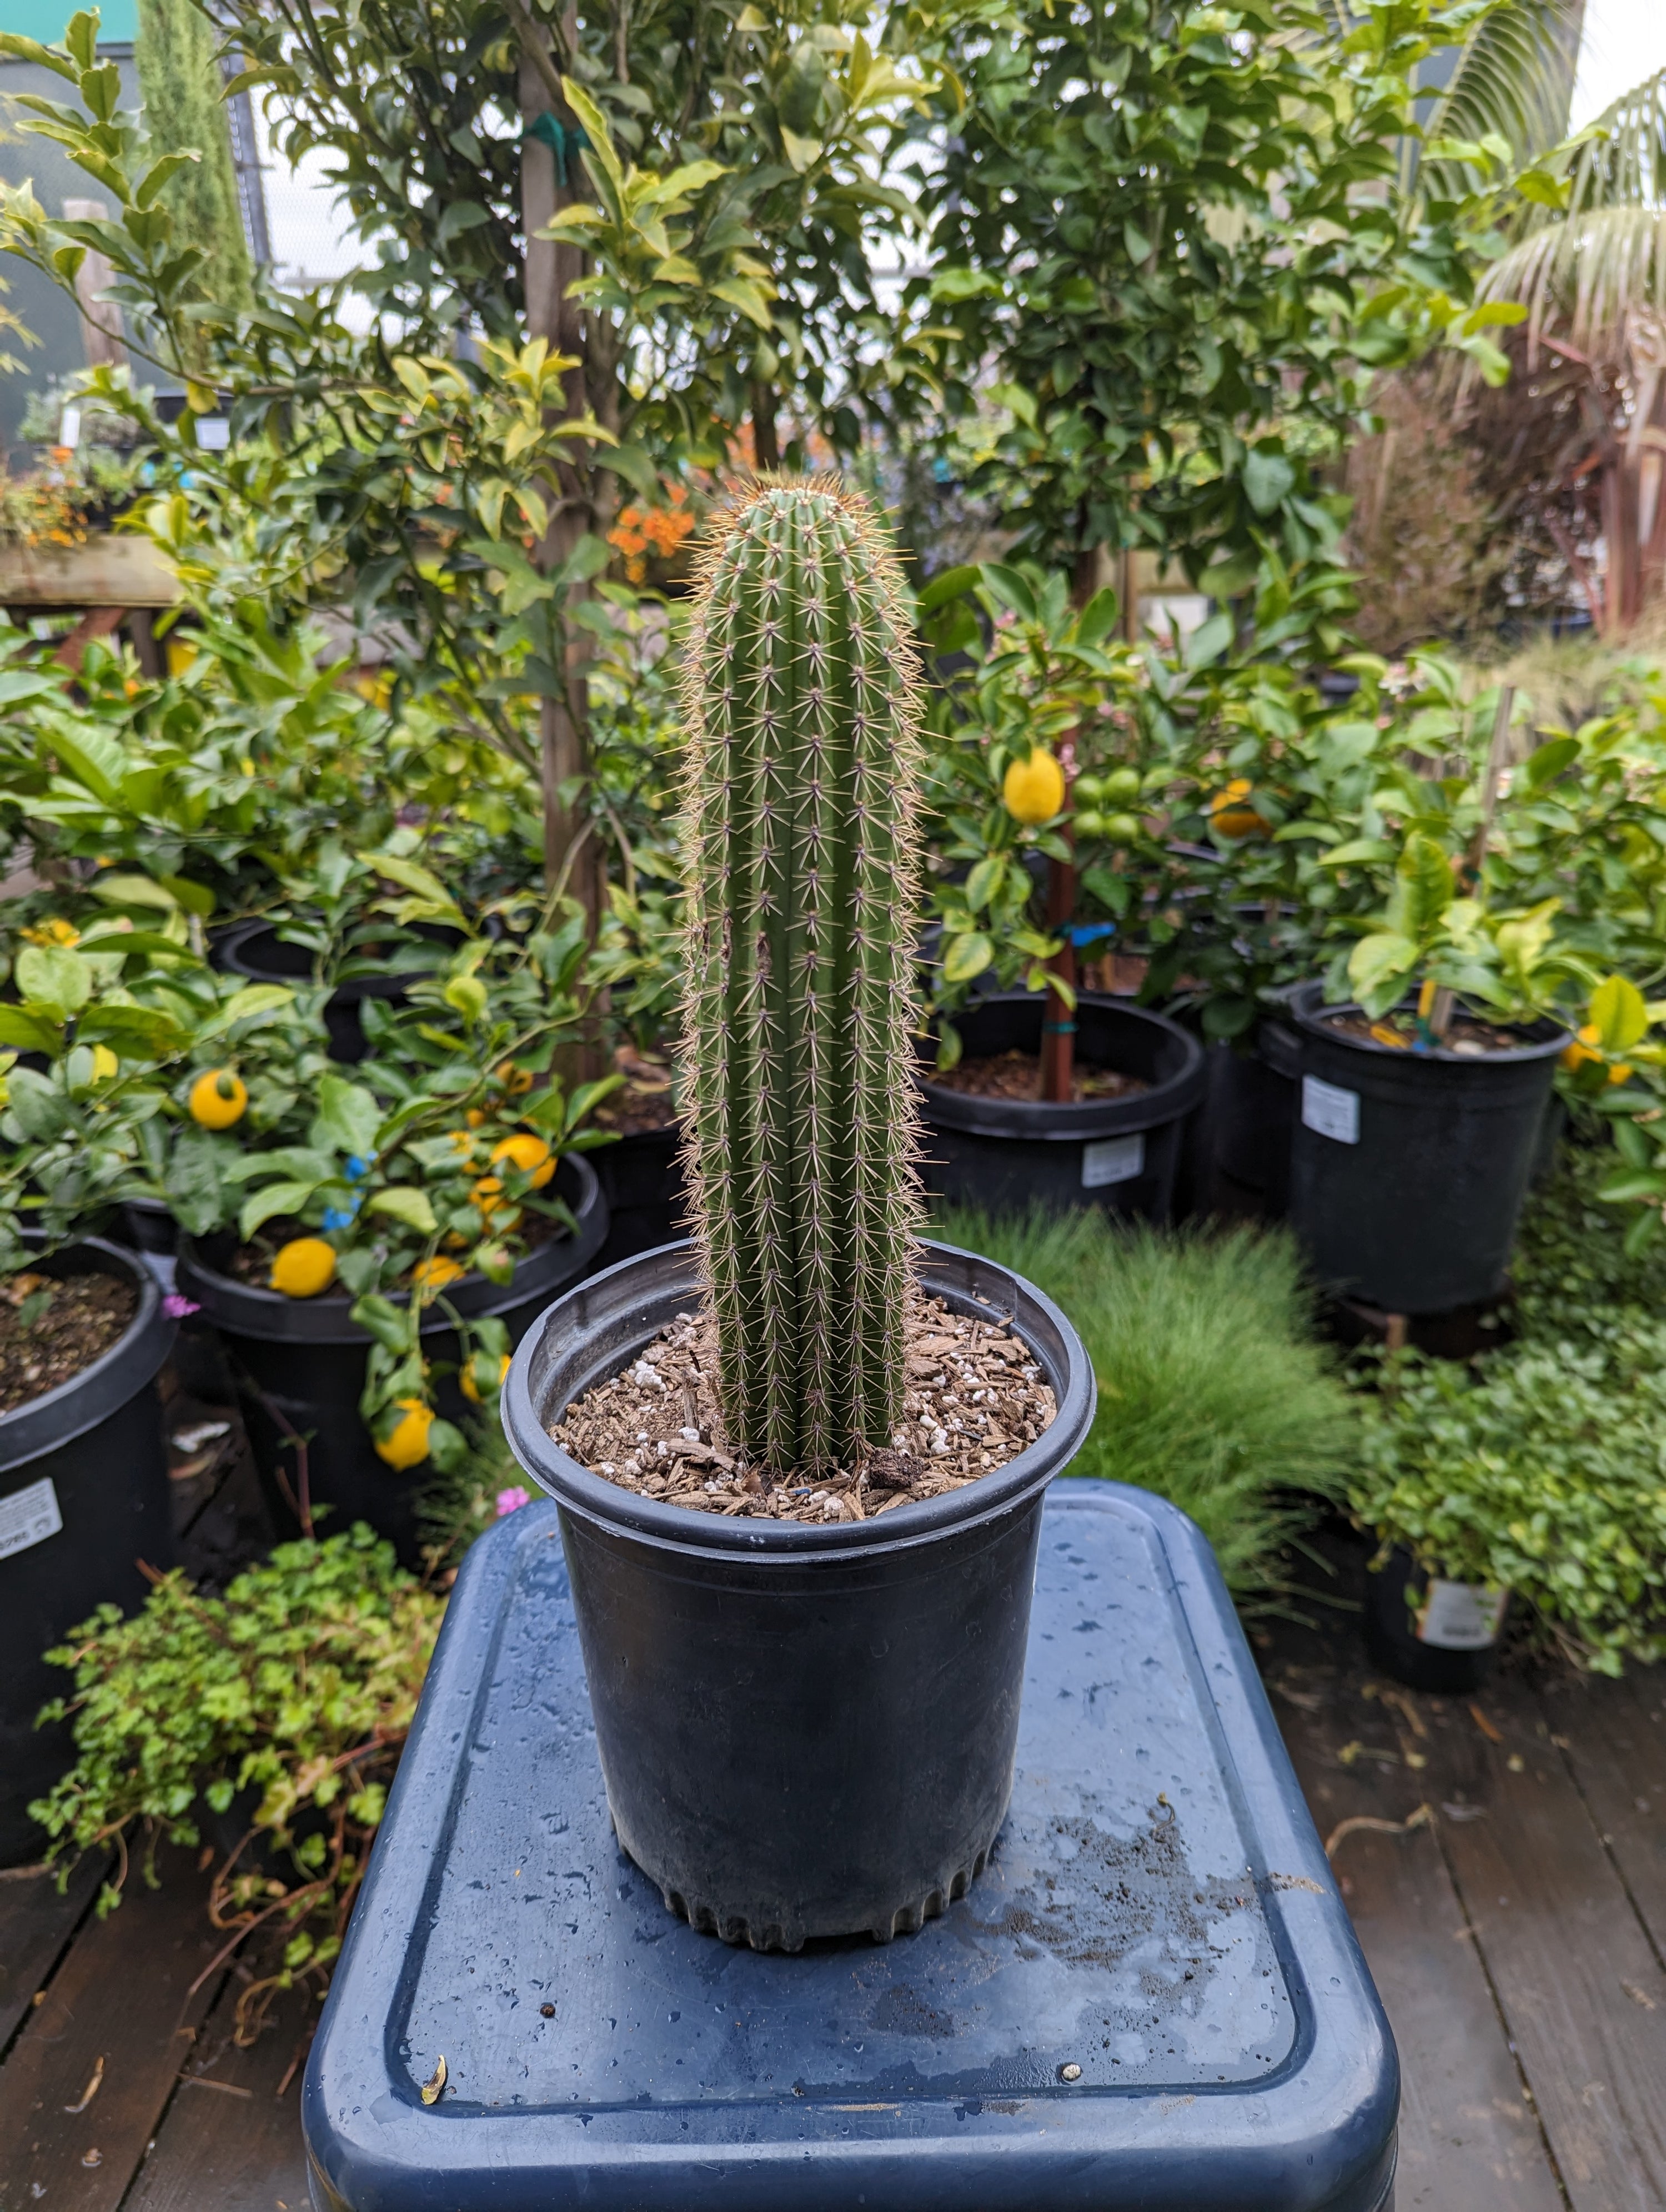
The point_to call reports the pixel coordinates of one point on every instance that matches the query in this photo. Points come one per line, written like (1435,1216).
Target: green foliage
(1539,1468)
(1171,236)
(760,134)
(1541,1476)
(1212,1390)
(801,896)
(115,1012)
(284,1703)
(184,100)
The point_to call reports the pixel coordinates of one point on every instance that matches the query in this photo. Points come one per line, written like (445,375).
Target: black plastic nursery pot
(1250,1110)
(255,949)
(83,1498)
(806,1730)
(1442,1637)
(299,1366)
(641,1179)
(1408,1170)
(1122,1154)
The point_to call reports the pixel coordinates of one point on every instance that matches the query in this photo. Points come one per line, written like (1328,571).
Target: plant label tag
(1331,1110)
(1461,1616)
(1113,1159)
(29,1516)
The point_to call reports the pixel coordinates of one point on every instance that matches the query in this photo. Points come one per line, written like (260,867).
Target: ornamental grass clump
(802,701)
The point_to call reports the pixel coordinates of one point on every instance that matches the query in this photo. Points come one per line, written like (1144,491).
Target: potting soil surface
(51,1328)
(1018,1075)
(1398,1032)
(645,1104)
(975,1398)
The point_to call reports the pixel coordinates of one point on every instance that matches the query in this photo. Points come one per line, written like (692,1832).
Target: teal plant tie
(561,138)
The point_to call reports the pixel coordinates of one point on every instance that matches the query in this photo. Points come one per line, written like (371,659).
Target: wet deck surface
(1504,1858)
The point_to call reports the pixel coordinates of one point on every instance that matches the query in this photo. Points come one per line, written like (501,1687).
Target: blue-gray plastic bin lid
(1151,1996)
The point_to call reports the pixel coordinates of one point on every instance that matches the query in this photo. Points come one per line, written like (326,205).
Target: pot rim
(1032,1120)
(251,1309)
(81,1401)
(946,1269)
(1306,1006)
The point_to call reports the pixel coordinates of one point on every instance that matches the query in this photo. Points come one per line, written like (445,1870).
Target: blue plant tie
(561,138)
(357,1167)
(1058,1028)
(1090,932)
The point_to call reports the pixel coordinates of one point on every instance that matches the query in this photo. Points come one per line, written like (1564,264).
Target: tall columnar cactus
(802,700)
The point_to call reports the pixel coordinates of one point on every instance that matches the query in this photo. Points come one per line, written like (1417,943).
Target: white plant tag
(29,1516)
(1113,1159)
(1334,1112)
(1461,1616)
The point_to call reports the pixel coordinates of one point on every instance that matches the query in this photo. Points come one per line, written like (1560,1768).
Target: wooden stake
(1495,764)
(1058,1042)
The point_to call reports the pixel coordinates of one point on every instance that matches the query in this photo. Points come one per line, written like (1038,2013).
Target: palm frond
(1586,276)
(1589,267)
(1511,76)
(1619,160)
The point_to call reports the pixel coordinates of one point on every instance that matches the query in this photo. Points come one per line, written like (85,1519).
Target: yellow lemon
(1620,1073)
(218,1098)
(55,932)
(471,1389)
(407,1446)
(105,1063)
(1583,1048)
(516,1080)
(304,1266)
(475,1116)
(1033,790)
(487,1194)
(530,1154)
(433,1274)
(1231,815)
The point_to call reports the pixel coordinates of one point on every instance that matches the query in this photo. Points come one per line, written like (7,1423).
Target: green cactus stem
(802,701)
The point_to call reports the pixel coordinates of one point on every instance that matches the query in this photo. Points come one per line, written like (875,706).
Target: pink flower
(510,1501)
(178,1308)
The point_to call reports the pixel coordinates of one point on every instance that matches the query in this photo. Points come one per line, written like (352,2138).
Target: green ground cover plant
(280,1708)
(1541,1467)
(1214,1391)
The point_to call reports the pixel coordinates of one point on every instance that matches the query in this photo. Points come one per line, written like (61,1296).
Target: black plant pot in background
(641,1179)
(255,949)
(1443,1641)
(300,1362)
(1408,1170)
(805,1730)
(83,1498)
(1120,1153)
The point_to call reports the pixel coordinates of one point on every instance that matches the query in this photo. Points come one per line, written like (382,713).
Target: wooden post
(101,330)
(1058,1041)
(548,185)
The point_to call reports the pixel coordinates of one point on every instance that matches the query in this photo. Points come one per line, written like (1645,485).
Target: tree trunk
(569,845)
(766,443)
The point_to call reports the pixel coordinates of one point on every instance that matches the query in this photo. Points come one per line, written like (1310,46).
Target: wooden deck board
(35,1924)
(1469,2138)
(1614,1735)
(1577,1976)
(118,2009)
(230,2141)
